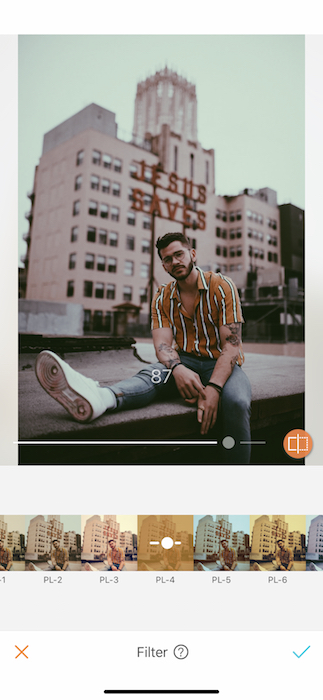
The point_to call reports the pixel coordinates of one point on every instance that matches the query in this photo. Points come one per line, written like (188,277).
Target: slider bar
(161,692)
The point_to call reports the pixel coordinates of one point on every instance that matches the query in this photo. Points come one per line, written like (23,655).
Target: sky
(15,522)
(70,522)
(126,522)
(250,94)
(238,522)
(295,522)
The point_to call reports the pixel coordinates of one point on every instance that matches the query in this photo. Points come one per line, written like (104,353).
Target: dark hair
(168,238)
(111,541)
(55,541)
(280,541)
(223,541)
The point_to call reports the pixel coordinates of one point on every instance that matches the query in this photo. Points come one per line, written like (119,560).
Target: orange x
(21,651)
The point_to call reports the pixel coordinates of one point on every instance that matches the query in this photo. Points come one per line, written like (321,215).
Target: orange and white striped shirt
(217,304)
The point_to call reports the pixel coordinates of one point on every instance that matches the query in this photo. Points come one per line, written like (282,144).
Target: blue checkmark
(299,655)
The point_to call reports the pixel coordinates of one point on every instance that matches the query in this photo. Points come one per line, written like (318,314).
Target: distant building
(315,539)
(41,534)
(209,534)
(265,534)
(97,534)
(70,542)
(292,245)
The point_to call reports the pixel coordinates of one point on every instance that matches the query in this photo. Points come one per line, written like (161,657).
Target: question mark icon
(181,651)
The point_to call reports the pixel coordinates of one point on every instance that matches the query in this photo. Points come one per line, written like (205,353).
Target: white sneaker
(81,397)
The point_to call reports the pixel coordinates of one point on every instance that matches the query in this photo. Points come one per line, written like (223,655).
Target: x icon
(21,651)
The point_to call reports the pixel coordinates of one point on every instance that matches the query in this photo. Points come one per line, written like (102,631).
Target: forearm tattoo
(235,334)
(171,358)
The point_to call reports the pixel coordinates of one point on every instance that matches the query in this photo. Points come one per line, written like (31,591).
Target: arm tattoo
(172,358)
(235,334)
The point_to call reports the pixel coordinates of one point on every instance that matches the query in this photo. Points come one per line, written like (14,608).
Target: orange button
(298,443)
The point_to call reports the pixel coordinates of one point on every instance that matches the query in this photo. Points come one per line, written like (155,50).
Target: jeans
(109,568)
(235,405)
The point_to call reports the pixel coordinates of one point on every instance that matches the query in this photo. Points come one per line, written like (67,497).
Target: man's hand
(207,409)
(114,568)
(188,384)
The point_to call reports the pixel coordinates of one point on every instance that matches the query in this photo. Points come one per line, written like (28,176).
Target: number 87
(156,375)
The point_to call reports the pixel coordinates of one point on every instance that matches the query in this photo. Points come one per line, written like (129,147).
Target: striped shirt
(5,557)
(116,556)
(217,304)
(59,556)
(284,557)
(228,557)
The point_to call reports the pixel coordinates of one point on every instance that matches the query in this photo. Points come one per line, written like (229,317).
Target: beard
(183,273)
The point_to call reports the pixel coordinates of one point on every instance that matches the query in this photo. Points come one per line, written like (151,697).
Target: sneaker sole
(52,378)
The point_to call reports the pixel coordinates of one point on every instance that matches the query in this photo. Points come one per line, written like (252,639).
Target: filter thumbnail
(53,543)
(278,542)
(12,542)
(314,553)
(221,543)
(165,543)
(109,543)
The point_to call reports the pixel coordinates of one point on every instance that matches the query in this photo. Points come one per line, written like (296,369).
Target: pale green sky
(250,92)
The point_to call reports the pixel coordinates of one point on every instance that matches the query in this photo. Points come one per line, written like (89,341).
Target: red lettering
(172,208)
(201,215)
(141,175)
(155,174)
(155,205)
(186,217)
(188,188)
(202,193)
(172,182)
(138,200)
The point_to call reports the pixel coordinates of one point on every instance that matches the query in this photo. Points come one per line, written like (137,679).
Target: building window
(218,232)
(147,199)
(103,236)
(99,290)
(127,293)
(148,175)
(72,261)
(91,234)
(145,246)
(131,218)
(224,233)
(207,176)
(238,215)
(111,291)
(128,267)
(218,214)
(146,222)
(260,218)
(115,213)
(113,239)
(96,157)
(130,243)
(89,261)
(275,257)
(249,214)
(232,233)
(133,171)
(78,182)
(117,165)
(70,288)
(105,185)
(261,254)
(143,295)
(100,263)
(239,251)
(175,158)
(270,256)
(76,207)
(232,252)
(224,252)
(239,233)
(130,194)
(104,211)
(97,320)
(192,166)
(74,234)
(80,158)
(112,264)
(218,250)
(108,321)
(232,216)
(260,235)
(249,233)
(86,320)
(107,160)
(232,268)
(116,189)
(95,182)
(93,207)
(88,289)
(144,270)
(255,252)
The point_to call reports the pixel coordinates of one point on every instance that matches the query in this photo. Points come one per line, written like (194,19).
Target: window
(207,177)
(76,208)
(116,189)
(111,291)
(112,264)
(133,171)
(117,165)
(274,224)
(144,270)
(239,233)
(261,254)
(104,211)
(89,261)
(232,252)
(127,293)
(130,243)
(175,158)
(249,214)
(95,182)
(218,214)
(113,238)
(232,216)
(232,268)
(232,233)
(146,222)
(148,175)
(239,251)
(145,245)
(96,157)
(100,263)
(128,267)
(270,256)
(224,216)
(115,213)
(239,267)
(70,288)
(218,250)
(99,290)
(218,232)
(105,185)
(86,320)
(91,234)
(74,234)
(80,158)
(103,236)
(260,218)
(274,240)
(88,289)
(249,233)
(260,235)
(108,321)
(238,215)
(224,252)
(143,295)
(131,218)
(78,182)
(97,320)
(93,207)
(275,257)
(72,261)
(224,233)
(147,199)
(130,194)
(106,160)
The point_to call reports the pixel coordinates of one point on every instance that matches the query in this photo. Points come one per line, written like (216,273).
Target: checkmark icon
(299,655)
